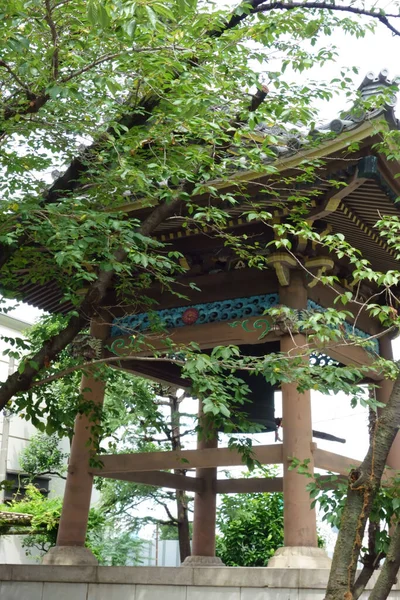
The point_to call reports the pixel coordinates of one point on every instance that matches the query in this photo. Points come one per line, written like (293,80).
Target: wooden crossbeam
(185,459)
(207,336)
(223,486)
(265,484)
(159,479)
(350,355)
(337,463)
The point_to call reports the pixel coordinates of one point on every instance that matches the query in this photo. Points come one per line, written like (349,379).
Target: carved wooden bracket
(282,264)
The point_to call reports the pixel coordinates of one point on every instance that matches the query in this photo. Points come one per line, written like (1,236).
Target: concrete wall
(23,582)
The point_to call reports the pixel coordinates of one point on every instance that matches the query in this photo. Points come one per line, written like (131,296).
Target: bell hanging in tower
(260,405)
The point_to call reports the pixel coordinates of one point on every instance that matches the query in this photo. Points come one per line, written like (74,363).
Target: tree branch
(370,561)
(380,16)
(54,37)
(260,6)
(19,382)
(14,75)
(107,57)
(371,558)
(173,520)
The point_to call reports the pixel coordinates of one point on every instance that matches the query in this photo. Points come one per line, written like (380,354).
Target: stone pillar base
(202,561)
(69,555)
(299,557)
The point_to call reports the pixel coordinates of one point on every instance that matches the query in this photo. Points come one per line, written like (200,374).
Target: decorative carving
(322,360)
(190,316)
(258,324)
(318,266)
(237,310)
(209,312)
(282,264)
(117,346)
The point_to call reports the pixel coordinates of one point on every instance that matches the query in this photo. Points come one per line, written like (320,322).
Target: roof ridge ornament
(375,86)
(372,86)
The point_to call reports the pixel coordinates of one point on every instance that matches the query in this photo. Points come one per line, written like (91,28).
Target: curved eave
(326,148)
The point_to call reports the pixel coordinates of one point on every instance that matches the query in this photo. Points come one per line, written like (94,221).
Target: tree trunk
(181,497)
(388,574)
(371,558)
(183,523)
(371,561)
(364,483)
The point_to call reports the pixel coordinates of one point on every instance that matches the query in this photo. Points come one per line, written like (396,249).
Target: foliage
(118,107)
(383,514)
(250,526)
(42,532)
(43,456)
(170,532)
(113,546)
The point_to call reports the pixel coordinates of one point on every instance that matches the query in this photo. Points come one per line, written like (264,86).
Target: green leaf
(151,15)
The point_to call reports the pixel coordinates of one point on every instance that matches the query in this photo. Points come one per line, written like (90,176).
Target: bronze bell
(260,405)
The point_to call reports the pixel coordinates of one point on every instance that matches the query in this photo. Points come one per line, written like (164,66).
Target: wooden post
(382,395)
(205,502)
(78,489)
(300,528)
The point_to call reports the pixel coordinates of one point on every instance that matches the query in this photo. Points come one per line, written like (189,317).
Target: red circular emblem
(190,316)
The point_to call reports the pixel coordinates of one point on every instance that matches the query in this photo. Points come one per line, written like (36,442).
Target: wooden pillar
(300,528)
(382,395)
(205,502)
(300,523)
(78,488)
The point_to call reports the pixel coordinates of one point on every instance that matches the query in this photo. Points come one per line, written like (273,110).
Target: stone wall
(27,582)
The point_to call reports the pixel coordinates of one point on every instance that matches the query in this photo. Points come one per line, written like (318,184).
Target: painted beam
(185,459)
(158,479)
(255,330)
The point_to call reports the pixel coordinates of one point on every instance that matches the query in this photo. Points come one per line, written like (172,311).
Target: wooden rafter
(332,200)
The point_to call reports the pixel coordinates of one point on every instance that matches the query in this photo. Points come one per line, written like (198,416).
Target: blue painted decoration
(209,312)
(217,312)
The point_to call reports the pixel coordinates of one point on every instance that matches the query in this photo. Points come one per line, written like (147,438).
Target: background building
(15,434)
